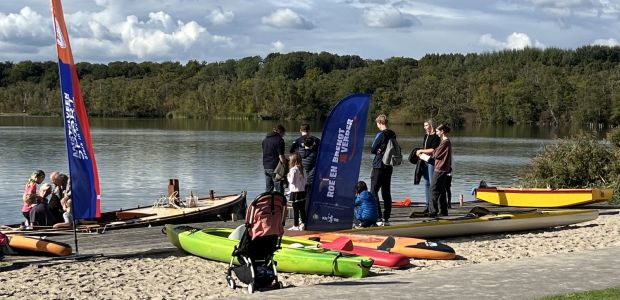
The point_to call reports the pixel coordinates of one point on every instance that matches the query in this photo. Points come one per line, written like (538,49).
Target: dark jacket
(298,144)
(366,207)
(308,160)
(380,142)
(273,147)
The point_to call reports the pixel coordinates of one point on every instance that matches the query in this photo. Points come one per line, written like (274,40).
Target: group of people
(297,171)
(434,164)
(38,210)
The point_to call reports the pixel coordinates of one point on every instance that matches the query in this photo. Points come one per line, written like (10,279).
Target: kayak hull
(508,222)
(214,244)
(542,197)
(410,247)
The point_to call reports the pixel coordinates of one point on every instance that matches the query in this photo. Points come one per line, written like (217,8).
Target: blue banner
(84,181)
(332,196)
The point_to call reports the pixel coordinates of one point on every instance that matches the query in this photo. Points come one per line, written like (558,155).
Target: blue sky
(182,30)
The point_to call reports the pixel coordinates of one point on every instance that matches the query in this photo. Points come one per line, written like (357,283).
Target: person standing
(30,192)
(297,185)
(308,154)
(443,166)
(298,144)
(273,153)
(381,175)
(429,143)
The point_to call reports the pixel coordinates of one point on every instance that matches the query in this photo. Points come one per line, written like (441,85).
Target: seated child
(67,216)
(366,211)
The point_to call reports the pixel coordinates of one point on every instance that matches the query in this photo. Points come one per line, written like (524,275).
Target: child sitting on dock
(297,184)
(366,211)
(67,215)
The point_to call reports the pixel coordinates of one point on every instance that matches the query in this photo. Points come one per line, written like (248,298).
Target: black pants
(299,207)
(381,179)
(449,191)
(439,184)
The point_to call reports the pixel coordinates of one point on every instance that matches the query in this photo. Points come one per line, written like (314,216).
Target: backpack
(392,155)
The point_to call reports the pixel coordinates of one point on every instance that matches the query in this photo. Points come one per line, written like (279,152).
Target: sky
(101,31)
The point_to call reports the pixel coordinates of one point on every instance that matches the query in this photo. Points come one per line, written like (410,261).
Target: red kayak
(381,258)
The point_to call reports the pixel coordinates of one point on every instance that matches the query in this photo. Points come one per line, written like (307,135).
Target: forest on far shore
(531,86)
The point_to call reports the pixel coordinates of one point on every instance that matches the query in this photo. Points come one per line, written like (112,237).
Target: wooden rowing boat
(533,197)
(206,209)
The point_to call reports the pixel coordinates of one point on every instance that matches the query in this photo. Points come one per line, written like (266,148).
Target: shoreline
(177,274)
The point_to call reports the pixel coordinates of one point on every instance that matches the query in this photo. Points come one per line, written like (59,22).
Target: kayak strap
(334,263)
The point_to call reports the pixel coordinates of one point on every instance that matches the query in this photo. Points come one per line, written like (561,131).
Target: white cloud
(386,17)
(611,42)
(27,26)
(277,46)
(287,18)
(515,41)
(219,16)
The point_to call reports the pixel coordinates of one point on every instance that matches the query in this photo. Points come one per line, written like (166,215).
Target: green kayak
(214,244)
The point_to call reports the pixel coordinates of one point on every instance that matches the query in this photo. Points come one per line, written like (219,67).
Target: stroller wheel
(231,282)
(250,288)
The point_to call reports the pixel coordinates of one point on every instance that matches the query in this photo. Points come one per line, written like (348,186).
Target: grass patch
(611,293)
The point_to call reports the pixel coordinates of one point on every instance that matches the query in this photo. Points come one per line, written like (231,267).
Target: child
(67,216)
(366,211)
(296,186)
(30,192)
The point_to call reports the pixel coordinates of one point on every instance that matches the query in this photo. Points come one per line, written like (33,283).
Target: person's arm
(281,151)
(375,148)
(441,151)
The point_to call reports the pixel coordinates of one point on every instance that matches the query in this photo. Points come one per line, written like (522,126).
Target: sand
(180,276)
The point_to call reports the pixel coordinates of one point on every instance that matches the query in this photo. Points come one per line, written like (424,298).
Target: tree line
(529,86)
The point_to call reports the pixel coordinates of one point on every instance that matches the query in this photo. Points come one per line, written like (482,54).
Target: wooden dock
(146,241)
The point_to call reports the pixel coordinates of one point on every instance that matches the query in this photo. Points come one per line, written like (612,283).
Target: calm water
(137,157)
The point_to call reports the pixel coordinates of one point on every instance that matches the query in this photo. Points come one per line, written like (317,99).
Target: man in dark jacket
(299,143)
(308,153)
(273,153)
(381,175)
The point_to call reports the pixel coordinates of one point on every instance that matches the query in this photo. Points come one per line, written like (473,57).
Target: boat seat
(237,233)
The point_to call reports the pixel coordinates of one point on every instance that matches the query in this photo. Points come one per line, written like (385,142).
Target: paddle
(387,244)
(340,244)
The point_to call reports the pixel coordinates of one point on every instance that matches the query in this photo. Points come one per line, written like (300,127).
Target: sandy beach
(178,275)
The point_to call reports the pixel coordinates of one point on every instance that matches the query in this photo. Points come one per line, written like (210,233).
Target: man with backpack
(381,175)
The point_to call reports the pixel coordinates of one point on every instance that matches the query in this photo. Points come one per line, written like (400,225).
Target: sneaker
(379,223)
(294,228)
(386,223)
(302,226)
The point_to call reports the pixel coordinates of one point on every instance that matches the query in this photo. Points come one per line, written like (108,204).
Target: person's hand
(418,152)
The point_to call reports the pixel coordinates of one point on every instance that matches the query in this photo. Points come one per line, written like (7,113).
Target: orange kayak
(19,242)
(410,247)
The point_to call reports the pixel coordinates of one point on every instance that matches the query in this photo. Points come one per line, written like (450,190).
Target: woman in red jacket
(443,166)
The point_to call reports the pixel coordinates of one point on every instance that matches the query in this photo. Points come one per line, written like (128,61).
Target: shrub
(577,162)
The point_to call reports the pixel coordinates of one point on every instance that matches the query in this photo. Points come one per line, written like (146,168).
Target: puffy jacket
(366,207)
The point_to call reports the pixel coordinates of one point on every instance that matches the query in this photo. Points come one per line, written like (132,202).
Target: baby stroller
(259,238)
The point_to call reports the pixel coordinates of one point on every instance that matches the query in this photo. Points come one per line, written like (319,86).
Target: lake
(136,157)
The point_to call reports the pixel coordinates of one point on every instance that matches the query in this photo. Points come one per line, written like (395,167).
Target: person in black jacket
(381,175)
(273,153)
(308,153)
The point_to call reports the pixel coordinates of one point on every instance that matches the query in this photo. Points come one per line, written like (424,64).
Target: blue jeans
(428,177)
(271,183)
